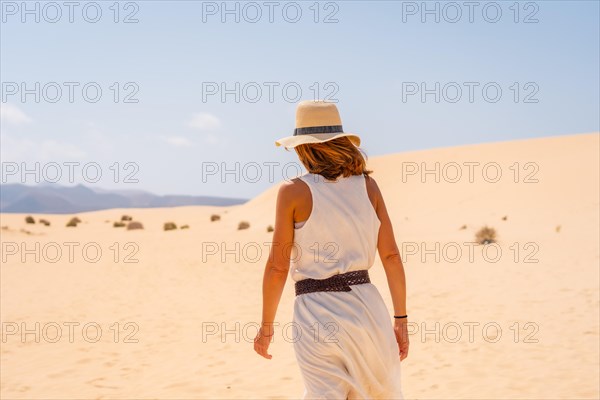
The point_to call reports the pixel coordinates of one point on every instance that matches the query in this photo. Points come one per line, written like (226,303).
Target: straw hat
(317,121)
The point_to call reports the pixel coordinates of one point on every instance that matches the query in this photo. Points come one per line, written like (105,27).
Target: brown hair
(333,158)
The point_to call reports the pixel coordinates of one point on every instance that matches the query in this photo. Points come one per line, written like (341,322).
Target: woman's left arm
(277,267)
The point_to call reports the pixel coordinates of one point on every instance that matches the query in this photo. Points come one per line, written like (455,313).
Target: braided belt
(335,283)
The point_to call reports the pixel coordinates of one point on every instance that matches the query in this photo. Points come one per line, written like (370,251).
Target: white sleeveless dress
(344,341)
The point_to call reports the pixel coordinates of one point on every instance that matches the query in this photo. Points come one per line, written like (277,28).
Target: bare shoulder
(371,183)
(293,189)
(373,189)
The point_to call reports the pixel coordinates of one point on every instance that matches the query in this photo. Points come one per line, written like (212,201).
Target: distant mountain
(58,199)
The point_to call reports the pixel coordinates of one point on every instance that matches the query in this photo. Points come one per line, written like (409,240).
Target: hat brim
(293,141)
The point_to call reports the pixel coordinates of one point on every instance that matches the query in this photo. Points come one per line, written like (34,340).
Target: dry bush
(45,222)
(118,224)
(486,235)
(134,225)
(126,218)
(185,227)
(169,226)
(270,228)
(215,217)
(73,222)
(243,225)
(29,219)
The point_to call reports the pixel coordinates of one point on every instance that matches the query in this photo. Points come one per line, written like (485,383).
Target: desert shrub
(486,235)
(169,226)
(126,218)
(243,225)
(73,222)
(134,225)
(462,228)
(215,217)
(185,227)
(270,228)
(118,224)
(45,222)
(29,219)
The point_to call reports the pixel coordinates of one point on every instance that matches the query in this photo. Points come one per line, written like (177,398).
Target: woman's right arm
(394,269)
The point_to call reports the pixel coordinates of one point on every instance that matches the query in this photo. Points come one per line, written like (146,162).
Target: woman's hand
(261,342)
(401,331)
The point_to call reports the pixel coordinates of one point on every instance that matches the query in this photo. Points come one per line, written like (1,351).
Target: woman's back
(343,340)
(341,232)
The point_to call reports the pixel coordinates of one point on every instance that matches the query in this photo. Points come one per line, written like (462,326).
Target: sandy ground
(172,314)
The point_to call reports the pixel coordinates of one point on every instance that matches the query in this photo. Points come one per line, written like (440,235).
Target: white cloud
(24,149)
(177,141)
(13,115)
(204,122)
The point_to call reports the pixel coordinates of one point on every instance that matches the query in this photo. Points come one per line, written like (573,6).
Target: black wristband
(400,316)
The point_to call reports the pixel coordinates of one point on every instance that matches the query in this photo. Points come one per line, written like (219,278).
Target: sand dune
(523,323)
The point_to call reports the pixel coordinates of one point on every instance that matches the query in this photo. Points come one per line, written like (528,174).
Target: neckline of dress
(340,178)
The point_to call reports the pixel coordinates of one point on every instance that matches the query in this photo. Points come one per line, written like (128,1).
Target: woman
(329,224)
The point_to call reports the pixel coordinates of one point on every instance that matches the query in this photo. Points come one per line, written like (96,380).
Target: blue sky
(370,57)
